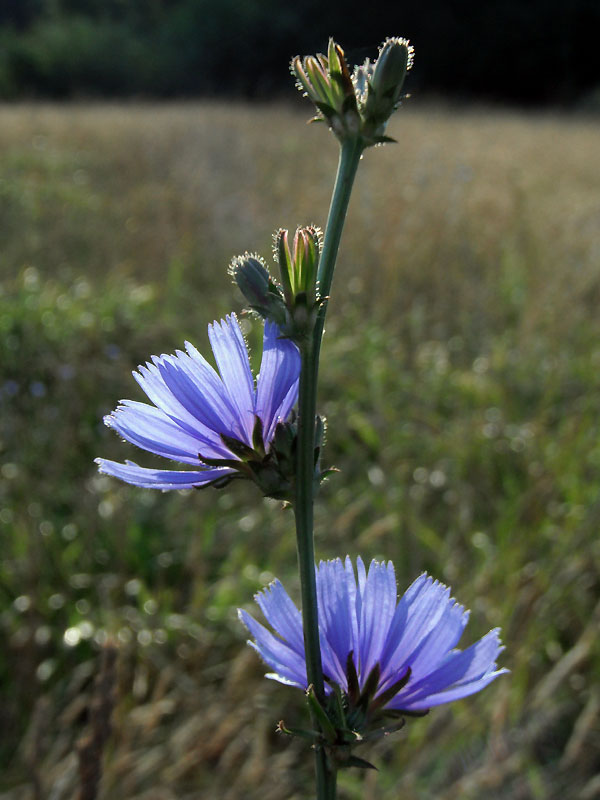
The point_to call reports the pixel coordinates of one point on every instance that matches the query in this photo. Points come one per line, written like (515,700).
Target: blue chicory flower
(368,636)
(204,419)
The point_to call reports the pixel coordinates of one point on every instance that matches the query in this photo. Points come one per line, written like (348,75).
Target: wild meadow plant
(365,659)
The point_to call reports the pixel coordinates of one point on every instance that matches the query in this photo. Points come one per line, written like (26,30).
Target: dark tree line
(524,51)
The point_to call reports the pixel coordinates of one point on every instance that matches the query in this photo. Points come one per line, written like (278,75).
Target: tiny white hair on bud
(405,43)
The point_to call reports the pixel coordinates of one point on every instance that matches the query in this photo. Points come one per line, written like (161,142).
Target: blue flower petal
(281,613)
(152,430)
(159,478)
(458,668)
(277,381)
(377,612)
(276,653)
(206,404)
(161,394)
(336,609)
(423,612)
(447,696)
(231,355)
(440,640)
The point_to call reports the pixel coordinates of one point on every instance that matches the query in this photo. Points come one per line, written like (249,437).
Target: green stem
(305,469)
(350,155)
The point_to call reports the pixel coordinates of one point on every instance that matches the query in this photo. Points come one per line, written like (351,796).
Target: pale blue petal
(333,619)
(433,648)
(276,653)
(202,404)
(231,355)
(440,641)
(281,613)
(159,478)
(454,693)
(422,614)
(353,604)
(459,667)
(152,430)
(360,585)
(398,623)
(151,380)
(277,382)
(377,612)
(334,607)
(209,383)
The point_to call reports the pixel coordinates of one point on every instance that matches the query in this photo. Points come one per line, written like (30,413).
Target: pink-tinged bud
(326,81)
(298,265)
(282,253)
(307,248)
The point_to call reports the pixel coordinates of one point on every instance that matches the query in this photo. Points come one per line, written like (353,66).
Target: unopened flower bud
(395,59)
(326,81)
(298,264)
(260,290)
(379,86)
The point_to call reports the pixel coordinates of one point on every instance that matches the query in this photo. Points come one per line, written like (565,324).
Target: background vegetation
(534,52)
(461,383)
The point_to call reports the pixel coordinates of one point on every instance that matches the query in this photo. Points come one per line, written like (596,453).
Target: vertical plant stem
(350,155)
(305,468)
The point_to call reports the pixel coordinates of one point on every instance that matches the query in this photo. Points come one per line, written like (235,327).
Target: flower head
(358,104)
(223,425)
(384,654)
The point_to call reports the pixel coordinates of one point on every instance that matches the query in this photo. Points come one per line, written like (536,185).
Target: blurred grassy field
(461,381)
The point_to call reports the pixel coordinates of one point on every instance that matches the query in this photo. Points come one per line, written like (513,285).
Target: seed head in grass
(223,425)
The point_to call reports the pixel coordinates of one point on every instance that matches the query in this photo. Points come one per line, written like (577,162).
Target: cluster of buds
(357,105)
(293,304)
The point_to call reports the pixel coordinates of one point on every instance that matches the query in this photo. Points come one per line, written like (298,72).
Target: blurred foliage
(460,381)
(532,53)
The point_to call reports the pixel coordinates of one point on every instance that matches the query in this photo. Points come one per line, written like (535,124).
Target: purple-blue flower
(216,423)
(405,649)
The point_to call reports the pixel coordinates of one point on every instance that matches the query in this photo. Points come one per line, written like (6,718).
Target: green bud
(260,290)
(379,87)
(299,263)
(395,58)
(252,278)
(283,256)
(326,81)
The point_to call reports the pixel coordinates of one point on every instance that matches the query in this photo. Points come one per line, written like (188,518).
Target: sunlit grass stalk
(350,154)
